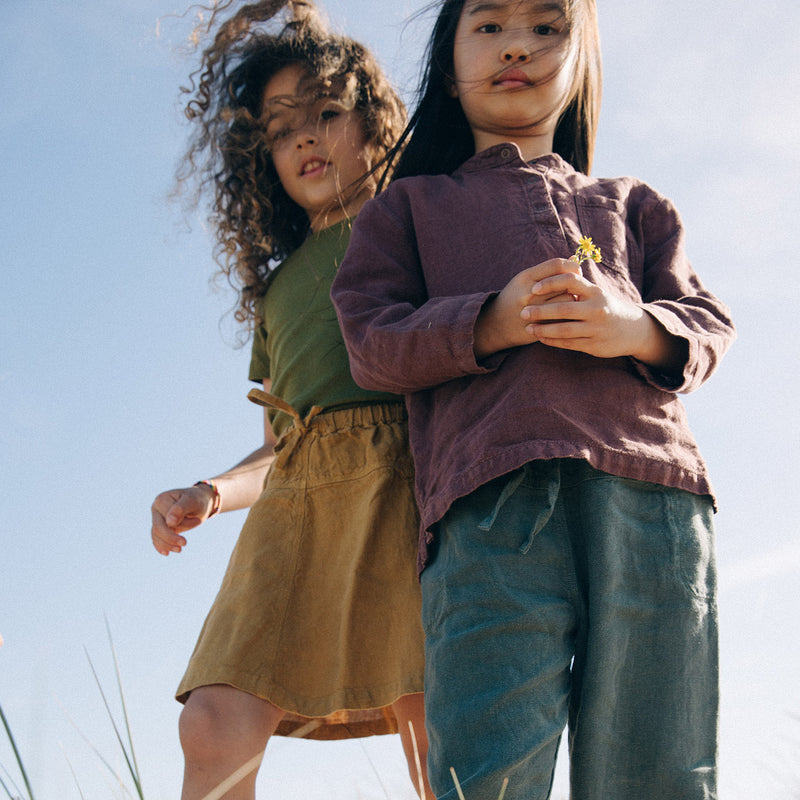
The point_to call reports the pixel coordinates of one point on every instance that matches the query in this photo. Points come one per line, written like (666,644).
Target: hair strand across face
(255,222)
(438,138)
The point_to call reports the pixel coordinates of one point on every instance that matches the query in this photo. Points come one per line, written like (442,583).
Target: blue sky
(118,377)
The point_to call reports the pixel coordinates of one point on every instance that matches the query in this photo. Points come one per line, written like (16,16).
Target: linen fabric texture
(560,594)
(319,610)
(427,254)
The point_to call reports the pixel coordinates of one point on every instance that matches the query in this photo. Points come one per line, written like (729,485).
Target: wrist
(659,349)
(484,343)
(215,498)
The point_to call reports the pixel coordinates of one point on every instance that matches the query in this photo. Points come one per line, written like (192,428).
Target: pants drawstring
(262,398)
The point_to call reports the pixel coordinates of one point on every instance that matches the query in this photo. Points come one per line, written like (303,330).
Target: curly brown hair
(256,223)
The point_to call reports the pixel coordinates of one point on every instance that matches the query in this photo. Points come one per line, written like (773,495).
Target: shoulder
(624,187)
(631,196)
(406,200)
(408,191)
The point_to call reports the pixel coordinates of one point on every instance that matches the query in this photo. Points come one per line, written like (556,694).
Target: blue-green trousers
(561,596)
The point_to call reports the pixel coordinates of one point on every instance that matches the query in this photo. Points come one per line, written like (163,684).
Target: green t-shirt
(299,345)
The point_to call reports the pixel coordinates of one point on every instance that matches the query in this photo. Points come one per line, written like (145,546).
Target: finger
(181,519)
(565,309)
(576,343)
(166,544)
(562,297)
(164,539)
(564,335)
(567,283)
(551,268)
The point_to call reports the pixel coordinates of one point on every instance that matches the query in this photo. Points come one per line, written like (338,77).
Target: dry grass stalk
(461,793)
(422,793)
(234,778)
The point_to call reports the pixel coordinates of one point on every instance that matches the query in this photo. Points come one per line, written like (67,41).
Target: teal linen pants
(561,596)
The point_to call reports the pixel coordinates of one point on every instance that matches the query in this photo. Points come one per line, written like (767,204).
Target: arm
(178,510)
(676,335)
(400,339)
(502,322)
(601,323)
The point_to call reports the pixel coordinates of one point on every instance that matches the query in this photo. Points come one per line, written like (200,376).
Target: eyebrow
(479,6)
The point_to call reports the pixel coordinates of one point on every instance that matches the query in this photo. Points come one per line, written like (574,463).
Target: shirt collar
(509,155)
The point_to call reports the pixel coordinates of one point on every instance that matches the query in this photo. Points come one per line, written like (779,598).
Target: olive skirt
(319,609)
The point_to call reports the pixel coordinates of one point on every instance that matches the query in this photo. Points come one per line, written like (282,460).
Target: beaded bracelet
(216,504)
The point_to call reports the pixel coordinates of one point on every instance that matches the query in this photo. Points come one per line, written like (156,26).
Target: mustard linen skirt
(319,609)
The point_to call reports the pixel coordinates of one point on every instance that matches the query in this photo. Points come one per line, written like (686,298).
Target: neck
(345,208)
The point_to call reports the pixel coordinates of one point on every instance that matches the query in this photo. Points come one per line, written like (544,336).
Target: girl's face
(511,60)
(318,147)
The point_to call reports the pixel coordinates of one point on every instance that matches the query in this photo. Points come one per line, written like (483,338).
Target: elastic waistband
(335,418)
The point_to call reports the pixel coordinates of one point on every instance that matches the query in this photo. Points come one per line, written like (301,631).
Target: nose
(305,137)
(306,133)
(515,51)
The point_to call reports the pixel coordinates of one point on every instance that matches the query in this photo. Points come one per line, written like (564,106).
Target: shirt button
(505,153)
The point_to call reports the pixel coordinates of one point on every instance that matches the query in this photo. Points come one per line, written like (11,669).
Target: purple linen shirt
(428,253)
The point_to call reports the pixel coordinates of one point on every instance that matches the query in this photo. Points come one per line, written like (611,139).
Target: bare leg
(221,730)
(411,708)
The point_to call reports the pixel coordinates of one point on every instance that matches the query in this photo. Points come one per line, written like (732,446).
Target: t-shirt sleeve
(259,360)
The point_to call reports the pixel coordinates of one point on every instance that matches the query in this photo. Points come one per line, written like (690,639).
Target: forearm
(704,331)
(396,348)
(659,349)
(241,485)
(487,339)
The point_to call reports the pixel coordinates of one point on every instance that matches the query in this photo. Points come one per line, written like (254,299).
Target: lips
(512,78)
(312,166)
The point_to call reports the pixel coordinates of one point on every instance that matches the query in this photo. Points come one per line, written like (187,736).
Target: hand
(176,511)
(600,323)
(500,324)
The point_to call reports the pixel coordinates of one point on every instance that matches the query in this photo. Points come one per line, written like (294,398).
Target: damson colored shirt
(428,253)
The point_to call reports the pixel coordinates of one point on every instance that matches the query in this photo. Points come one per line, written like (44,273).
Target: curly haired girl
(316,628)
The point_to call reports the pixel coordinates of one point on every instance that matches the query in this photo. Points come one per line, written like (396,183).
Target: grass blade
(16,755)
(7,790)
(131,768)
(135,771)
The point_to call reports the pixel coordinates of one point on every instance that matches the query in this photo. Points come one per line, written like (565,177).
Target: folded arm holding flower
(554,304)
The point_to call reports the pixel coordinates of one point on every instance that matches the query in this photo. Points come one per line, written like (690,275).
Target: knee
(212,724)
(201,726)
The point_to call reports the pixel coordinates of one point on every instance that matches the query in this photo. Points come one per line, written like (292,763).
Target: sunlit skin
(513,63)
(317,147)
(511,72)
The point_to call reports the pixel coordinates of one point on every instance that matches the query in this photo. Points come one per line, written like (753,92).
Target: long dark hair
(438,138)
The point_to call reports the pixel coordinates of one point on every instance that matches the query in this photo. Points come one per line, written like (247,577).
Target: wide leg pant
(560,595)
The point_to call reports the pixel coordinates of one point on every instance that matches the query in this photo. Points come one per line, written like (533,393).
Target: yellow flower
(586,249)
